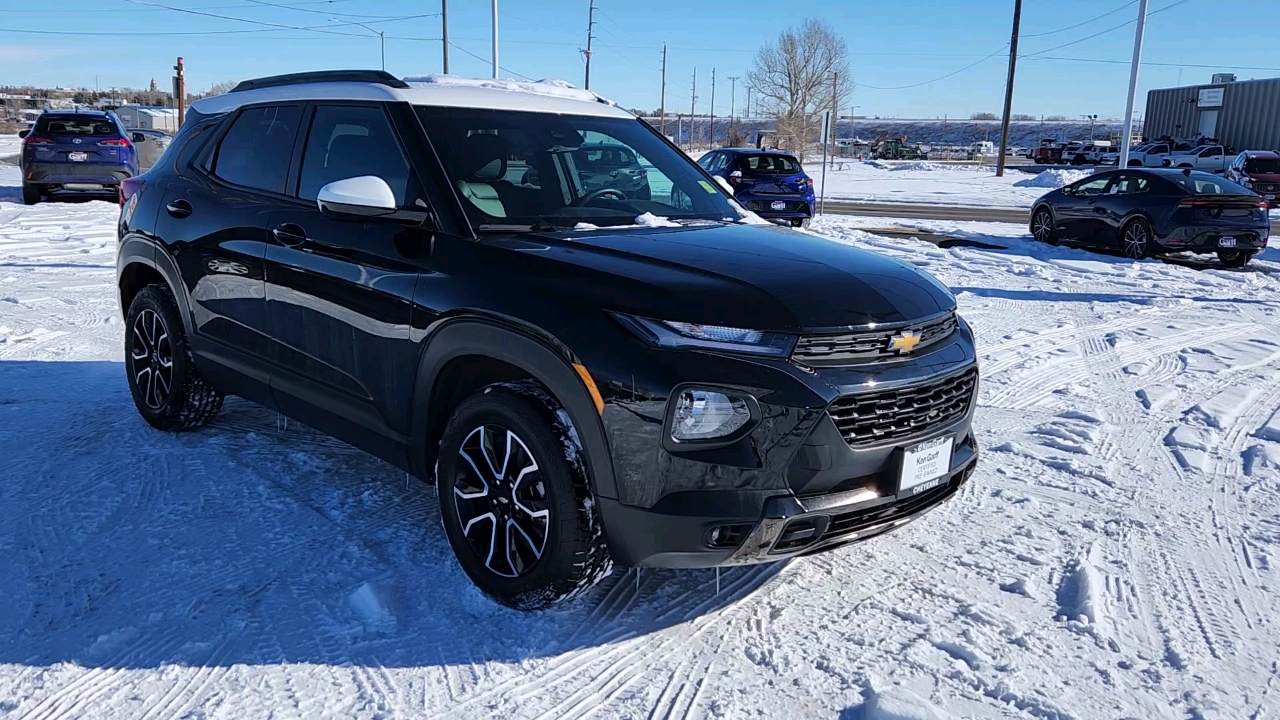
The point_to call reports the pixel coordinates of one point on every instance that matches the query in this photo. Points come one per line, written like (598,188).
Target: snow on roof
(549,96)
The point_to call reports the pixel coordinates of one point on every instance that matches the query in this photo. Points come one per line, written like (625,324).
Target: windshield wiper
(538,225)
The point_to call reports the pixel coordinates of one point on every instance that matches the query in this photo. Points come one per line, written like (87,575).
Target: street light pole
(1133,84)
(382,38)
(733,94)
(495,39)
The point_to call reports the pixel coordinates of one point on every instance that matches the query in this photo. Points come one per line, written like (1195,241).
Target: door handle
(179,209)
(290,235)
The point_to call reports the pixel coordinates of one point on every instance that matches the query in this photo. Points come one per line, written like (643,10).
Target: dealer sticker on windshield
(924,465)
(707,186)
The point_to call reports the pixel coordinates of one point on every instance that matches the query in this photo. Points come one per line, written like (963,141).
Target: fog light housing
(702,415)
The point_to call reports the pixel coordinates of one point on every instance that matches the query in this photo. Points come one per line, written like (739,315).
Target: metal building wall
(1249,118)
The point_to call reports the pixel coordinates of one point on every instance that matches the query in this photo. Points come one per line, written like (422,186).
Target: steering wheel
(601,194)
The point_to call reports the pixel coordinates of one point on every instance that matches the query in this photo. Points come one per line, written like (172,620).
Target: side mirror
(23,133)
(724,184)
(139,137)
(362,197)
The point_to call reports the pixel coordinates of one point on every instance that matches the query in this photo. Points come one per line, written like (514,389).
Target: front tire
(166,387)
(1136,239)
(1042,227)
(1234,258)
(515,498)
(799,222)
(30,194)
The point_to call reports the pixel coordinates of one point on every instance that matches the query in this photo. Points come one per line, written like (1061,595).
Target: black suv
(588,376)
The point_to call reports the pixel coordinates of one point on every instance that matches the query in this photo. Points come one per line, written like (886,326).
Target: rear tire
(30,194)
(515,498)
(1136,239)
(166,387)
(800,222)
(1234,258)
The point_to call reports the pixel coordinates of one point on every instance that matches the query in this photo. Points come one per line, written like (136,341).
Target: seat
(484,165)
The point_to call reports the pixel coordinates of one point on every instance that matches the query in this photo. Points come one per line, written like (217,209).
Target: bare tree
(793,77)
(221,88)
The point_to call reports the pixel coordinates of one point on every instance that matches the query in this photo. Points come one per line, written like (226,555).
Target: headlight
(693,336)
(707,415)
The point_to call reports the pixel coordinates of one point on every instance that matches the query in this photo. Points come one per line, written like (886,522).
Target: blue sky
(908,42)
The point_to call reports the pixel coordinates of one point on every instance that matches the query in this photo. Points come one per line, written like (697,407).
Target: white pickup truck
(1210,158)
(1151,155)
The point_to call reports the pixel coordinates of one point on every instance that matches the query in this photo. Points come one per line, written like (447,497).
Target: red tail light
(37,140)
(116,142)
(1212,201)
(736,178)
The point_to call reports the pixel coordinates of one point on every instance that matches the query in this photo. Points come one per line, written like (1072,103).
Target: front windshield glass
(528,168)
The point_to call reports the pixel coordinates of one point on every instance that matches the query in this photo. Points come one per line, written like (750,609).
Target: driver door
(339,291)
(1081,217)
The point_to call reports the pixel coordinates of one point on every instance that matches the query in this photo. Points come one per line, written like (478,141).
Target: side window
(1093,186)
(721,162)
(349,141)
(1129,185)
(708,161)
(1214,152)
(255,152)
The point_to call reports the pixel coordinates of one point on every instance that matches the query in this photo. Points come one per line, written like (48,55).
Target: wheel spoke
(484,483)
(138,376)
(162,386)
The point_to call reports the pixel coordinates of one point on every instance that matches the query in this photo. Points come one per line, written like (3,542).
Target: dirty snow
(932,182)
(260,569)
(1052,178)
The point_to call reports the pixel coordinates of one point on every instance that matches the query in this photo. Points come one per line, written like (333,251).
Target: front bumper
(53,176)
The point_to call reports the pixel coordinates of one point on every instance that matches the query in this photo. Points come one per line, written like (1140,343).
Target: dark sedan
(1147,211)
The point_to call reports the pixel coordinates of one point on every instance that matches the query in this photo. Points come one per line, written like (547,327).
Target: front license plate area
(777,205)
(1226,242)
(77,156)
(925,465)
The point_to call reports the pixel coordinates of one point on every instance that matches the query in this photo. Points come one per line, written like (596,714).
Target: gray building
(1243,114)
(136,117)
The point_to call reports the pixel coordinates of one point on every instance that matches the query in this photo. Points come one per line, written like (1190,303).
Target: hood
(759,277)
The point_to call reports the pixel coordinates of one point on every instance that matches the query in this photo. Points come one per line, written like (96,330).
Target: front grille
(1266,187)
(858,520)
(868,345)
(873,418)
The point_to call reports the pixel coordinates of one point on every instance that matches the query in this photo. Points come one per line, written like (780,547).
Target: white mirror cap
(724,184)
(367,191)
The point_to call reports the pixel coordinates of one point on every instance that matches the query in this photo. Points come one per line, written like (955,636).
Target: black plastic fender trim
(455,338)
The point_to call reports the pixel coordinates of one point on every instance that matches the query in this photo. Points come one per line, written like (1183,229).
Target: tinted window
(1206,184)
(73,125)
(1262,166)
(348,142)
(255,152)
(769,164)
(1129,184)
(1093,186)
(1212,152)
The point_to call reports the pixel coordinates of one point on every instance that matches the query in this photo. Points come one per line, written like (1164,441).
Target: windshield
(1262,166)
(769,164)
(73,125)
(528,168)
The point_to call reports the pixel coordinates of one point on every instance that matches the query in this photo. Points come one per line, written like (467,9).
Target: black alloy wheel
(1234,258)
(1136,239)
(151,359)
(1042,226)
(501,500)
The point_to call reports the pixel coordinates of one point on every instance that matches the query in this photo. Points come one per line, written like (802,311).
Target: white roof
(548,96)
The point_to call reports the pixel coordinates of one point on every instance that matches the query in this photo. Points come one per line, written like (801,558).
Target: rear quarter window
(1205,184)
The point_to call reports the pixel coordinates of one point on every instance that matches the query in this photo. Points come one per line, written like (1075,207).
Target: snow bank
(552,88)
(931,167)
(1053,178)
(901,704)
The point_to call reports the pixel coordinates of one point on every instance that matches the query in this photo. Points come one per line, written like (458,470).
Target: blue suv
(75,151)
(768,182)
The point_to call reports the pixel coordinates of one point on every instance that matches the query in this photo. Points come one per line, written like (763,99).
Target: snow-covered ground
(937,183)
(1115,556)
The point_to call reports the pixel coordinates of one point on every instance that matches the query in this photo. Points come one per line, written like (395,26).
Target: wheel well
(135,277)
(458,379)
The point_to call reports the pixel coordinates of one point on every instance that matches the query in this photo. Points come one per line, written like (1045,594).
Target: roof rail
(378,77)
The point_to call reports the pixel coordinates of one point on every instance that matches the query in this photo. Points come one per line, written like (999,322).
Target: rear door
(339,290)
(1129,192)
(215,219)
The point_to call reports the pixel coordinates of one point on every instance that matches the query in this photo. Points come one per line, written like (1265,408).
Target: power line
(486,61)
(1082,24)
(1153,64)
(1113,28)
(279,26)
(944,77)
(330,13)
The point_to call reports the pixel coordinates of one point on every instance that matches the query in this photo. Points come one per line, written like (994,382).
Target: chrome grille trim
(866,346)
(874,418)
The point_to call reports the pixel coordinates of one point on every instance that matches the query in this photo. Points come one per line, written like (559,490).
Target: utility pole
(733,95)
(662,107)
(679,130)
(835,113)
(495,39)
(1092,119)
(1133,84)
(444,32)
(748,115)
(711,130)
(1008,88)
(180,91)
(693,106)
(591,25)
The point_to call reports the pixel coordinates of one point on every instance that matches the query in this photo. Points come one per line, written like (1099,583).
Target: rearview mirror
(365,196)
(23,133)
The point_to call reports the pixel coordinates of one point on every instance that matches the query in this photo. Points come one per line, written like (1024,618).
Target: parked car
(1074,153)
(1150,155)
(1048,153)
(1094,151)
(75,152)
(588,379)
(1141,212)
(768,182)
(150,145)
(1109,156)
(1209,158)
(1258,170)
(606,165)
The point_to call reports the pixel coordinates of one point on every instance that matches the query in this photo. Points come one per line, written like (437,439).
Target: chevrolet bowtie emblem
(904,342)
